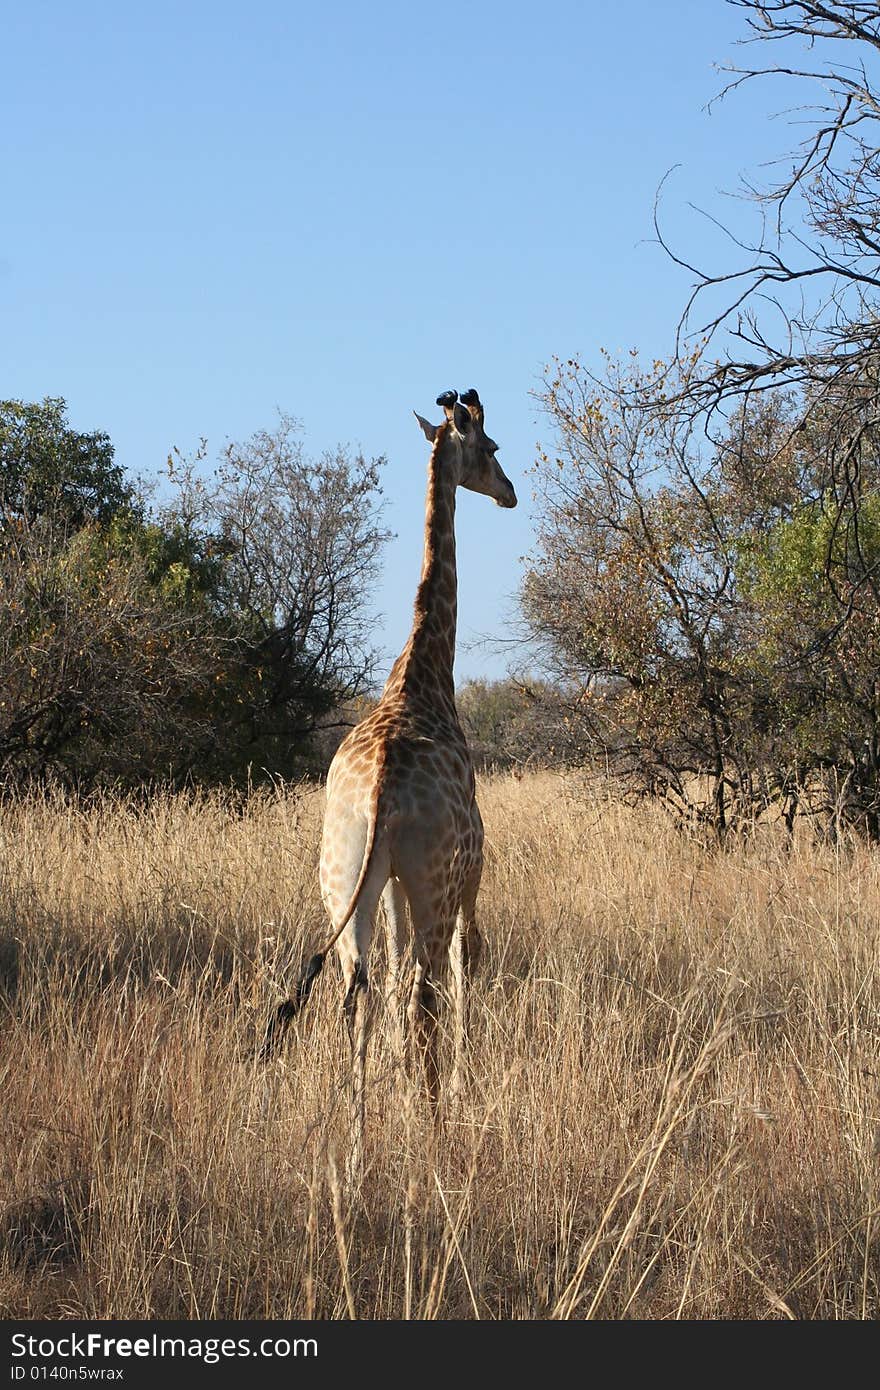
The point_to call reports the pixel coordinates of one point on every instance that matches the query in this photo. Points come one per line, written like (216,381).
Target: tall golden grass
(672,1106)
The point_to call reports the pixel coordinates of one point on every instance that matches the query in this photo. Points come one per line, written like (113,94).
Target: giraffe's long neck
(426,662)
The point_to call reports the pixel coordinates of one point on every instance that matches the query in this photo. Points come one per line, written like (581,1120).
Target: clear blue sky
(214,210)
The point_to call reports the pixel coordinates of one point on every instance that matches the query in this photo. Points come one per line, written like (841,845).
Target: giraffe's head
(468,449)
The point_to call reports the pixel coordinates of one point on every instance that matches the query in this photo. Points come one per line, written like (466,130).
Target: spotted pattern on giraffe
(402,819)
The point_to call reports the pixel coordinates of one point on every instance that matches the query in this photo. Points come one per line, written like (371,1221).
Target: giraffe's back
(413,771)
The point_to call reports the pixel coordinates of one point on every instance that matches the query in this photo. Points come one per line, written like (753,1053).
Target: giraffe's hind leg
(464,953)
(355,1013)
(423,1017)
(353,948)
(396,943)
(433,925)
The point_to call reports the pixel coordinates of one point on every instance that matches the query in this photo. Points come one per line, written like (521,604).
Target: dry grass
(672,1108)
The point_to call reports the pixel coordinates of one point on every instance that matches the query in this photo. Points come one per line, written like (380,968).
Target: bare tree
(300,540)
(801,308)
(516,724)
(631,593)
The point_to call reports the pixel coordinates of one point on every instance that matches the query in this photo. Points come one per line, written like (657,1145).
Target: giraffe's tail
(288,1009)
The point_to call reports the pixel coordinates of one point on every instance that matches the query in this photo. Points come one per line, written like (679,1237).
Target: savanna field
(672,1107)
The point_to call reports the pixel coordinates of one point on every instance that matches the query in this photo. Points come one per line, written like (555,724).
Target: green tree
(46,467)
(102,675)
(816,633)
(207,638)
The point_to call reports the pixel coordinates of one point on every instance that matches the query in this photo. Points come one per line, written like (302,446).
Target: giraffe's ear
(428,430)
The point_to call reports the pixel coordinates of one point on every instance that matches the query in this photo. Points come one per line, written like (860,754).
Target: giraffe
(401,821)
